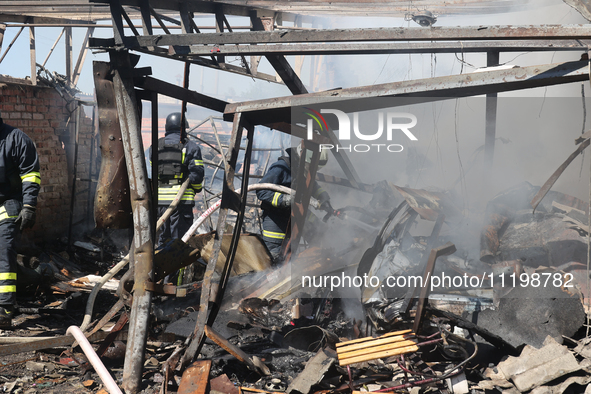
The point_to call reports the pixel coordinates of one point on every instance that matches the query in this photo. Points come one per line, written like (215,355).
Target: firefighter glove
(26,217)
(326,207)
(285,201)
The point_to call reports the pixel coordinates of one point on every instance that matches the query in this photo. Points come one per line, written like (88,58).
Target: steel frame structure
(210,49)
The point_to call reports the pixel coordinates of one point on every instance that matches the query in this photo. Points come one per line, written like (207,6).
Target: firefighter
(19,188)
(177,160)
(276,206)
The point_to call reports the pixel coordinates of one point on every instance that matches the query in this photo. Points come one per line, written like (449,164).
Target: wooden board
(390,334)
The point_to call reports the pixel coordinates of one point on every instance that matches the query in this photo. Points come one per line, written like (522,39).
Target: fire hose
(119,266)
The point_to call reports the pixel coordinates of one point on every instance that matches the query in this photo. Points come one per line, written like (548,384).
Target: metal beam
(2,30)
(296,86)
(82,56)
(205,63)
(423,90)
(492,59)
(33,55)
(392,48)
(548,32)
(171,90)
(68,44)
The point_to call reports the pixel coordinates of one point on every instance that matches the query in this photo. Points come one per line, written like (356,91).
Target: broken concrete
(534,367)
(315,369)
(528,315)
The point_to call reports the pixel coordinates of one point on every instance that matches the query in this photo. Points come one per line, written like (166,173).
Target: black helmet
(173,122)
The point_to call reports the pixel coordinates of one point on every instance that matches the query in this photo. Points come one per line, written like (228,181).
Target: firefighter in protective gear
(19,187)
(177,161)
(276,206)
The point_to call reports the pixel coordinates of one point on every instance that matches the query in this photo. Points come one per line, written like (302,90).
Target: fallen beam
(253,363)
(23,345)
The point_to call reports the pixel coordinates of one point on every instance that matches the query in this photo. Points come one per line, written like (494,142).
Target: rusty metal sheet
(112,206)
(223,384)
(428,204)
(195,378)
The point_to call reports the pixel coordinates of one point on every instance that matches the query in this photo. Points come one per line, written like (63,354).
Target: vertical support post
(492,59)
(89,215)
(74,170)
(219,28)
(229,200)
(68,41)
(2,30)
(146,18)
(117,18)
(129,120)
(33,56)
(154,158)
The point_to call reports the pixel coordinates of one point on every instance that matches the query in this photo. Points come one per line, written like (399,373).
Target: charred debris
(463,331)
(410,303)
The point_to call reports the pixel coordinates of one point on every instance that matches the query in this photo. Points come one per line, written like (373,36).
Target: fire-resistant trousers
(177,224)
(8,234)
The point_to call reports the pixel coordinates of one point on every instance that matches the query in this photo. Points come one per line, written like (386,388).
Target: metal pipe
(94,359)
(53,47)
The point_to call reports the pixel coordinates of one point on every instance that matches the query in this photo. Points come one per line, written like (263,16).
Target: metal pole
(68,54)
(53,47)
(2,30)
(11,43)
(74,170)
(154,159)
(492,59)
(141,206)
(33,56)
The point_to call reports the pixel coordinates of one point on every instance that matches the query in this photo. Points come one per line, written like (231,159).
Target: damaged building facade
(461,265)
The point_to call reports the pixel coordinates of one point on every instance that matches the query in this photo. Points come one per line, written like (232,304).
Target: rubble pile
(444,316)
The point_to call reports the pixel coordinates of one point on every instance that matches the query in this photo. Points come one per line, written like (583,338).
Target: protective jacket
(275,218)
(191,166)
(19,167)
(19,184)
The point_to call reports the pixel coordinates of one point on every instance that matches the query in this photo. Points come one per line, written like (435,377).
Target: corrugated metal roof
(87,10)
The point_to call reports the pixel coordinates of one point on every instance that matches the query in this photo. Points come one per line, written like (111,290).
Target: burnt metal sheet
(415,91)
(428,204)
(112,206)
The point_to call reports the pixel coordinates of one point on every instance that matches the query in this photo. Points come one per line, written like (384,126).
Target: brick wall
(43,114)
